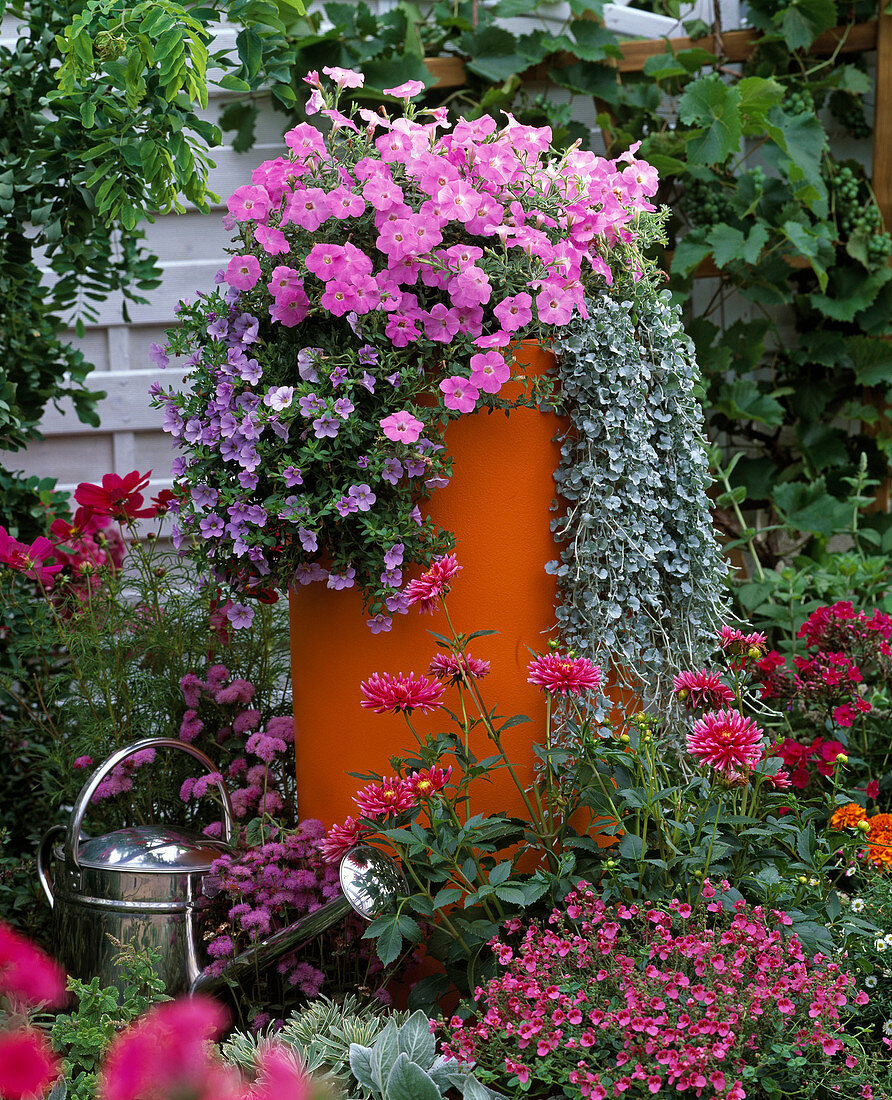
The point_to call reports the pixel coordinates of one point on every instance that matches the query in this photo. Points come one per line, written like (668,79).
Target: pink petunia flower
(401,427)
(384,692)
(725,740)
(460,393)
(559,674)
(430,586)
(242,272)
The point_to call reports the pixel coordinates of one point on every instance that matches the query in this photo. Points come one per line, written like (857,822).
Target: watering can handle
(73,831)
(43,857)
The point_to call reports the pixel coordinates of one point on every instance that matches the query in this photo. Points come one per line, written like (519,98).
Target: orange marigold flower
(847,817)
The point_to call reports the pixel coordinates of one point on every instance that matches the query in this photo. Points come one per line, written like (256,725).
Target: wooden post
(882,122)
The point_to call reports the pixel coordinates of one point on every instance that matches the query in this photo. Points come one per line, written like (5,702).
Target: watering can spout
(371,883)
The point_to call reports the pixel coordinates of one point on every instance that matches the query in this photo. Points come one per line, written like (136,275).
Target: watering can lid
(151,848)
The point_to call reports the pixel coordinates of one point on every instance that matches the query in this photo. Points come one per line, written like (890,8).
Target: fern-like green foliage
(82,1036)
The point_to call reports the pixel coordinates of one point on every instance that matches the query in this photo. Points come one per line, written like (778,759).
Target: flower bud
(802,880)
(841,758)
(863,826)
(624,737)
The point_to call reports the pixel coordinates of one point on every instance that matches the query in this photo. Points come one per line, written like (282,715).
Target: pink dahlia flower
(384,692)
(560,674)
(390,796)
(426,590)
(423,784)
(699,690)
(724,739)
(735,641)
(448,666)
(341,838)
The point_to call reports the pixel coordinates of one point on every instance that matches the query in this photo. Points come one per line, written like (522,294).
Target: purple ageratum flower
(393,470)
(307,539)
(363,496)
(158,355)
(368,355)
(338,376)
(337,581)
(292,476)
(343,407)
(310,404)
(211,526)
(308,573)
(368,381)
(380,624)
(248,480)
(325,427)
(240,615)
(394,556)
(203,496)
(279,397)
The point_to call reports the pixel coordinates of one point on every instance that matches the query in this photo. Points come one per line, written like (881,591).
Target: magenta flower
(563,675)
(272,241)
(341,838)
(384,693)
(249,204)
(489,371)
(736,642)
(448,666)
(388,798)
(701,690)
(426,783)
(460,393)
(36,561)
(430,586)
(28,977)
(242,272)
(406,90)
(344,78)
(401,427)
(515,312)
(725,740)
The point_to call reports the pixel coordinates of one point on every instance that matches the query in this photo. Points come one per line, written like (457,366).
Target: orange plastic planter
(498,505)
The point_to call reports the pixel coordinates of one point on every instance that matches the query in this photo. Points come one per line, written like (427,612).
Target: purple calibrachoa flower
(240,615)
(338,376)
(308,539)
(343,407)
(325,426)
(310,404)
(379,624)
(394,556)
(292,476)
(279,397)
(346,506)
(363,496)
(158,355)
(393,471)
(341,580)
(203,496)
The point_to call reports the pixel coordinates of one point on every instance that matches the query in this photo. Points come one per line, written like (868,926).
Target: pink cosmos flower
(341,838)
(401,427)
(430,586)
(563,675)
(725,740)
(448,666)
(36,561)
(384,692)
(27,1064)
(27,975)
(701,690)
(460,393)
(242,272)
(389,797)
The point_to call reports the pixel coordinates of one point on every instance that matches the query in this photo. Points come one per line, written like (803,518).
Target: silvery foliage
(641,578)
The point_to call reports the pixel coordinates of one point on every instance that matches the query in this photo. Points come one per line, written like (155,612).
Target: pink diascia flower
(401,427)
(389,797)
(384,692)
(426,590)
(341,838)
(725,740)
(701,689)
(448,666)
(563,675)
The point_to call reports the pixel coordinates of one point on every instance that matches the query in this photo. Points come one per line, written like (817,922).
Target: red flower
(563,675)
(119,497)
(447,666)
(426,783)
(390,796)
(434,583)
(698,690)
(27,1065)
(82,524)
(872,790)
(725,740)
(27,975)
(29,559)
(163,501)
(341,838)
(384,692)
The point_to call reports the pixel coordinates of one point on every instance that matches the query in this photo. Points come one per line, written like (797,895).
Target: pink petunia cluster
(663,1000)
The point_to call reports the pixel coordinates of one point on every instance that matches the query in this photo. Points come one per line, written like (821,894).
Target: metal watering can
(145,885)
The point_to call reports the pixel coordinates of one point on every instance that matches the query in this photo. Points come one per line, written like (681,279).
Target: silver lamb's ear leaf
(361,1065)
(472,1089)
(408,1081)
(384,1053)
(416,1040)
(59,1091)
